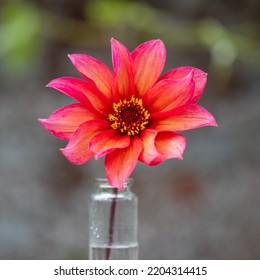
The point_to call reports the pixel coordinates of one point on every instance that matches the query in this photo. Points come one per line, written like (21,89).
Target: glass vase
(113,222)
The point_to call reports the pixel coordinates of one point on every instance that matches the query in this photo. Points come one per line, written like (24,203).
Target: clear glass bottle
(113,222)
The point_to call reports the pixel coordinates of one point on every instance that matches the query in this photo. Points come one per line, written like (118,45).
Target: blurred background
(204,207)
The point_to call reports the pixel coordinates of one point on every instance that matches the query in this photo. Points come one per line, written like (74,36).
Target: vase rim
(103,182)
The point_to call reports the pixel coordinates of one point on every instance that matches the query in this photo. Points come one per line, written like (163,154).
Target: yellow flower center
(129,116)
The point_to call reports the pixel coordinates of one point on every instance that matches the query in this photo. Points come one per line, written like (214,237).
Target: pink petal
(122,62)
(200,79)
(182,118)
(161,146)
(77,151)
(86,93)
(166,95)
(95,70)
(121,162)
(107,141)
(71,87)
(148,61)
(64,122)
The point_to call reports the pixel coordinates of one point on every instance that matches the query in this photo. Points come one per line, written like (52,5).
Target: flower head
(129,114)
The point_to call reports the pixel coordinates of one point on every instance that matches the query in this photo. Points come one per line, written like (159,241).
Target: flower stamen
(129,116)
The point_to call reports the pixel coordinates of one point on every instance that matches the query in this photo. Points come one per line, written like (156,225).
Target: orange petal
(166,95)
(120,163)
(199,77)
(149,152)
(123,66)
(169,145)
(77,151)
(148,61)
(64,122)
(107,141)
(182,118)
(161,146)
(95,70)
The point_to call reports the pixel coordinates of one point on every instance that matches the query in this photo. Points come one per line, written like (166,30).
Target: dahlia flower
(131,113)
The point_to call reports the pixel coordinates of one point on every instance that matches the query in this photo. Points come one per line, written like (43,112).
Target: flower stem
(111,225)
